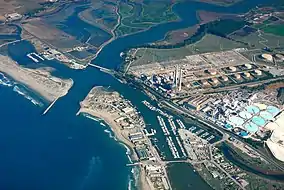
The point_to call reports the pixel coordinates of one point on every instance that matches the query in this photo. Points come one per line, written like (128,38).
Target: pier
(50,106)
(134,164)
(33,55)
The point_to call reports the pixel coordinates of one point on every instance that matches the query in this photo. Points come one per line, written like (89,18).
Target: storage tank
(212,71)
(267,57)
(258,72)
(247,74)
(204,82)
(215,81)
(224,78)
(238,76)
(279,57)
(248,66)
(233,69)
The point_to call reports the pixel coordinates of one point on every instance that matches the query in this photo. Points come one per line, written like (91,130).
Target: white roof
(276,149)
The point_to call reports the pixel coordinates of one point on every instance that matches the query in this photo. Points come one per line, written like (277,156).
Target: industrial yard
(242,111)
(222,88)
(201,73)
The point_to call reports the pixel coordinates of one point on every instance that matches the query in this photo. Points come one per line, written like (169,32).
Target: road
(7,43)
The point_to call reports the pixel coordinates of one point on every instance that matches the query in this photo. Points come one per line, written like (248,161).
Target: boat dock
(35,57)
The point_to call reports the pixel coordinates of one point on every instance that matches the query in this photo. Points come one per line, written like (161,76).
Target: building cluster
(258,18)
(13,17)
(241,111)
(51,54)
(227,172)
(156,177)
(196,147)
(197,73)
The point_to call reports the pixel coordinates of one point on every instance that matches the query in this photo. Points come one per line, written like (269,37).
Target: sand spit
(39,80)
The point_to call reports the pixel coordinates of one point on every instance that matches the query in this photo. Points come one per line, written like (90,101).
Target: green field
(141,15)
(274,29)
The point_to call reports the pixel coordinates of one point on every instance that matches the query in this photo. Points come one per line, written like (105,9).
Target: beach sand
(121,137)
(39,80)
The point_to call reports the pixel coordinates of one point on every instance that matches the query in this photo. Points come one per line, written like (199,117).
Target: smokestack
(180,80)
(176,80)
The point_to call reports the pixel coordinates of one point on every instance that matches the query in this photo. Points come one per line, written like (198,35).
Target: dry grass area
(50,34)
(39,28)
(19,6)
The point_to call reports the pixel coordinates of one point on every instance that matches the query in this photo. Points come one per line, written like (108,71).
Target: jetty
(50,106)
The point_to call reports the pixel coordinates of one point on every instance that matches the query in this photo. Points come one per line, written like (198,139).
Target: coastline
(107,118)
(38,80)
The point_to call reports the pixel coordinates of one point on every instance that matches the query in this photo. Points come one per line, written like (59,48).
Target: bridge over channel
(103,69)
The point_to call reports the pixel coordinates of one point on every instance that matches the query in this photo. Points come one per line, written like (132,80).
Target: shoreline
(40,81)
(106,117)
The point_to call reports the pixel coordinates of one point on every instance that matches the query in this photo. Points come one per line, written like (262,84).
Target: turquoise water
(63,151)
(251,127)
(258,121)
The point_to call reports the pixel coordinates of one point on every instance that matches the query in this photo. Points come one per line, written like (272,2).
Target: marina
(35,57)
(182,126)
(173,126)
(172,147)
(163,126)
(158,110)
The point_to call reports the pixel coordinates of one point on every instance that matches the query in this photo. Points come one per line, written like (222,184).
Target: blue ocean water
(56,151)
(60,150)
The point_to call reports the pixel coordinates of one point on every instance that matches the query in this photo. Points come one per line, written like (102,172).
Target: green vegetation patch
(225,27)
(125,10)
(157,12)
(275,29)
(141,15)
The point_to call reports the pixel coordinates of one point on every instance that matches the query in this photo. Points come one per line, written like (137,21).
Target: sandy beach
(109,119)
(114,127)
(39,80)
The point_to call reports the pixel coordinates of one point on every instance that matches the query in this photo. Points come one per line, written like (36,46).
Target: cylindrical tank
(248,66)
(204,82)
(247,74)
(237,76)
(214,80)
(233,69)
(267,57)
(225,78)
(258,72)
(212,71)
(279,57)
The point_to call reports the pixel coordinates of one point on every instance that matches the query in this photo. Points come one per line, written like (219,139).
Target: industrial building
(195,73)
